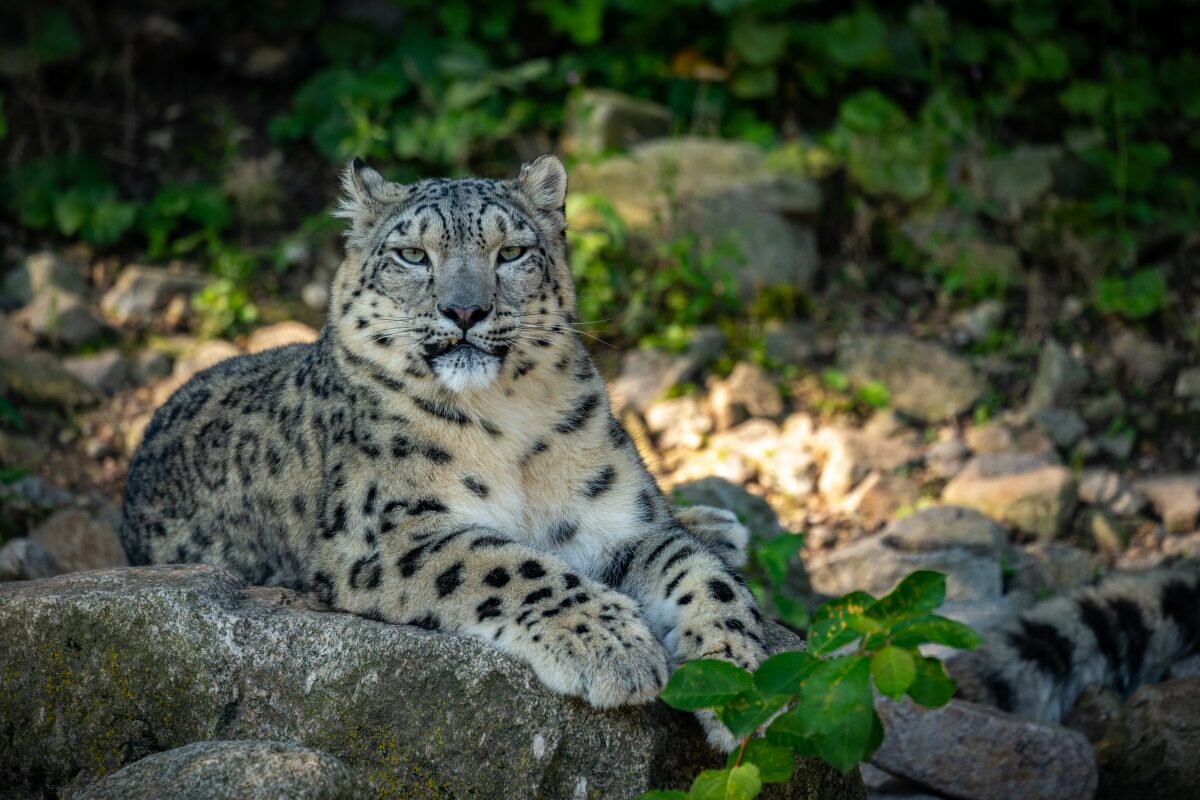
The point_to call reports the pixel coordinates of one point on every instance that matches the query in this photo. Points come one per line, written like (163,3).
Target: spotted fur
(1120,634)
(472,480)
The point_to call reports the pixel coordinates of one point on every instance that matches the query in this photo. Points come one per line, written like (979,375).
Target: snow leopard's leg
(696,603)
(719,529)
(580,637)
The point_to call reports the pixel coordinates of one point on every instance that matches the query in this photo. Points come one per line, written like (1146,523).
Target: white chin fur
(469,371)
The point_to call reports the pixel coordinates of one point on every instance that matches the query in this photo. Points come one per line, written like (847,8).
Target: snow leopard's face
(454,279)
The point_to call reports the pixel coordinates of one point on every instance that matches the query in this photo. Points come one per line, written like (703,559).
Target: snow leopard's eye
(511,253)
(411,255)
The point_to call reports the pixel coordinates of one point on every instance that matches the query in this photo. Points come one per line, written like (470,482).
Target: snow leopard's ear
(366,195)
(544,181)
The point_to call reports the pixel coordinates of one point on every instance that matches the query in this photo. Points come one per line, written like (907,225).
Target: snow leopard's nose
(465,317)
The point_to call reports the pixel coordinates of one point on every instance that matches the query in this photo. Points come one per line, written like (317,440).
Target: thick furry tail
(1124,632)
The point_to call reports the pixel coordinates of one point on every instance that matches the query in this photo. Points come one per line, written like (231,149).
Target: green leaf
(932,687)
(934,629)
(758,43)
(875,394)
(753,82)
(835,380)
(775,556)
(894,670)
(10,414)
(782,673)
(109,221)
(790,611)
(870,111)
(857,39)
(1086,98)
(705,684)
(1142,295)
(71,211)
(737,783)
(795,730)
(744,714)
(664,794)
(775,763)
(831,624)
(838,697)
(922,591)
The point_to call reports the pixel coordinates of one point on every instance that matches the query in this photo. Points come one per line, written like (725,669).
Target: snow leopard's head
(462,281)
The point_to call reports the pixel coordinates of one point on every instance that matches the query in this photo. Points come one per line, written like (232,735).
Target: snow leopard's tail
(1124,632)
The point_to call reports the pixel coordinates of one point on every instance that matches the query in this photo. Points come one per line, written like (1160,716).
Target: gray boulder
(1151,747)
(969,554)
(1026,491)
(925,380)
(108,371)
(1059,379)
(140,292)
(238,770)
(104,668)
(72,541)
(599,121)
(39,378)
(60,318)
(42,271)
(725,194)
(974,752)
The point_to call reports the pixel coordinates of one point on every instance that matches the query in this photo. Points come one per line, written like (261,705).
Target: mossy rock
(103,668)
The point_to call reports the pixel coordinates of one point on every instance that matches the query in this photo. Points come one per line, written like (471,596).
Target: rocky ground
(887,428)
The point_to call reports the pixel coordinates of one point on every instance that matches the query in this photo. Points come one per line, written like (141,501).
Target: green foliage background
(878,98)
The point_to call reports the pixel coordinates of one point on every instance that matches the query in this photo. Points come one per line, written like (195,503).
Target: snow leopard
(1124,632)
(445,455)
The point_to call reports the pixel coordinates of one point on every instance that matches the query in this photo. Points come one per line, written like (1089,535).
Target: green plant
(766,573)
(658,297)
(820,701)
(1138,296)
(71,196)
(174,207)
(223,306)
(9,414)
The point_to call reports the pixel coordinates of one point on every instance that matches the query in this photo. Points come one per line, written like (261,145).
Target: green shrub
(819,702)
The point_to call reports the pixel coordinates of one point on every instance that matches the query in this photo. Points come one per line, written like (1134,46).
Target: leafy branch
(819,702)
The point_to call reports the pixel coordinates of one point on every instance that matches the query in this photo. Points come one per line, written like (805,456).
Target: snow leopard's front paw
(599,648)
(718,620)
(719,529)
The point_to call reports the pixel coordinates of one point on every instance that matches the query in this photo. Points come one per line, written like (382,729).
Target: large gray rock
(647,373)
(72,541)
(1012,182)
(723,193)
(60,318)
(942,527)
(236,770)
(1059,379)
(925,381)
(748,392)
(1176,499)
(104,668)
(1187,384)
(848,455)
(1151,747)
(42,271)
(973,752)
(141,292)
(599,121)
(39,378)
(1023,490)
(108,371)
(959,542)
